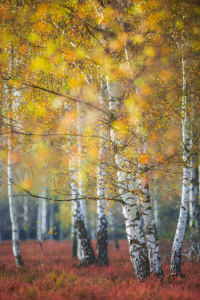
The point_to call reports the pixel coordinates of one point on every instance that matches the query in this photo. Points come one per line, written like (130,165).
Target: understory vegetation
(62,279)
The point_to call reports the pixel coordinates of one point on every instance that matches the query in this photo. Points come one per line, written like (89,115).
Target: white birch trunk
(73,231)
(102,231)
(13,211)
(89,256)
(39,222)
(135,235)
(42,217)
(180,231)
(156,205)
(44,214)
(150,228)
(81,179)
(149,223)
(26,214)
(51,221)
(12,107)
(26,210)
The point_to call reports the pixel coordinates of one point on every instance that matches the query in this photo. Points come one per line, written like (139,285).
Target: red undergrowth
(61,279)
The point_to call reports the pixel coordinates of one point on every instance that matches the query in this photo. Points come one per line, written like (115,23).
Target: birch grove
(105,95)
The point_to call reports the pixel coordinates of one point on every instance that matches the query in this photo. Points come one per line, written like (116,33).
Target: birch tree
(102,225)
(42,216)
(135,235)
(180,231)
(88,251)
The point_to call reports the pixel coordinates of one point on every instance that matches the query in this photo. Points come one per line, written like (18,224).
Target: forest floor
(61,279)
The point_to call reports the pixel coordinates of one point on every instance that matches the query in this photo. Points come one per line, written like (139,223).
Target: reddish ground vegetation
(61,279)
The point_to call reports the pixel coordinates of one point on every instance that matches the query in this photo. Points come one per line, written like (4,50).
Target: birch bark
(42,216)
(88,251)
(149,223)
(102,232)
(135,235)
(180,231)
(81,178)
(51,220)
(73,232)
(10,170)
(150,229)
(13,210)
(156,205)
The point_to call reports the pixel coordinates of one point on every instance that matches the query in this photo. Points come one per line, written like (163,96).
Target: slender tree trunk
(51,220)
(81,178)
(135,235)
(149,223)
(180,231)
(156,205)
(112,229)
(150,228)
(13,211)
(102,230)
(61,235)
(42,216)
(39,222)
(26,214)
(88,251)
(73,232)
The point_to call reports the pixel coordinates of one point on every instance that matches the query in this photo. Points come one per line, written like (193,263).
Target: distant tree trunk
(73,232)
(180,231)
(13,211)
(39,221)
(42,216)
(88,251)
(61,233)
(112,229)
(156,205)
(26,214)
(92,227)
(135,235)
(102,230)
(51,220)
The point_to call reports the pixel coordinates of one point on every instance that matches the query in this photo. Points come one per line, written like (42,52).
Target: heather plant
(62,279)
